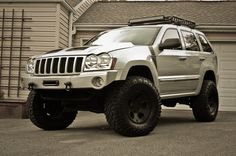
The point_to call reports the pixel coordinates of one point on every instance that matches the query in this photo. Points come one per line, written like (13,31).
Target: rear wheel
(205,105)
(48,115)
(133,107)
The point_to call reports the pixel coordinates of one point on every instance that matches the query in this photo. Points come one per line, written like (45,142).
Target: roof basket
(161,20)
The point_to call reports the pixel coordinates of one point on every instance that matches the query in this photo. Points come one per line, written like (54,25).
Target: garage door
(227,75)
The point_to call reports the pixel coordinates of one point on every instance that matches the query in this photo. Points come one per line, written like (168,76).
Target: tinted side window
(171,34)
(190,41)
(205,45)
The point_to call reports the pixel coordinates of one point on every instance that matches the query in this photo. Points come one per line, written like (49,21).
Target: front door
(176,69)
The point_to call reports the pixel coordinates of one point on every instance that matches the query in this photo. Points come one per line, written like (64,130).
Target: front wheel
(48,115)
(205,105)
(133,107)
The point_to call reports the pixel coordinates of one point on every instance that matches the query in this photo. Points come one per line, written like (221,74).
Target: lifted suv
(126,73)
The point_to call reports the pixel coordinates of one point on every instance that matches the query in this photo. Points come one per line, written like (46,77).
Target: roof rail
(161,20)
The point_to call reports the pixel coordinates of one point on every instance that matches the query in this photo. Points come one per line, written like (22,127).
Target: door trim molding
(178,78)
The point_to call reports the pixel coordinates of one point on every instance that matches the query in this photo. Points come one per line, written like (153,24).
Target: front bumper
(84,80)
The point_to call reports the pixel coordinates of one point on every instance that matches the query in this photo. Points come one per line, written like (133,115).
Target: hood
(88,50)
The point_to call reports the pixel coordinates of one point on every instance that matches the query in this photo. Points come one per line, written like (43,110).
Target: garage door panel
(227,92)
(227,83)
(229,102)
(227,75)
(221,46)
(227,65)
(226,53)
(227,56)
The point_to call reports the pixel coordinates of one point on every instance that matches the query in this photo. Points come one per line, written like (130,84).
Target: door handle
(202,58)
(182,58)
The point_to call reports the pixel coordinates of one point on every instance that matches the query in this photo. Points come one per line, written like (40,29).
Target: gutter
(70,29)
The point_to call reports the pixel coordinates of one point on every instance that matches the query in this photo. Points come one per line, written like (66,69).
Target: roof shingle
(201,12)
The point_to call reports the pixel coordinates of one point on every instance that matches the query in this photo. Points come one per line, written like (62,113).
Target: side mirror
(170,44)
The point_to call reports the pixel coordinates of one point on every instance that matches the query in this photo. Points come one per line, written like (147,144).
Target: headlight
(30,66)
(104,60)
(98,62)
(91,62)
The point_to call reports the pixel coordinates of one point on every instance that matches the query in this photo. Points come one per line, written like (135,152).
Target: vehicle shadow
(104,128)
(98,127)
(173,120)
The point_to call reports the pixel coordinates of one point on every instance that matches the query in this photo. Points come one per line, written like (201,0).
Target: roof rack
(161,20)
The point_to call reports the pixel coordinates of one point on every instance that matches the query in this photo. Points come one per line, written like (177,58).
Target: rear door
(194,61)
(205,56)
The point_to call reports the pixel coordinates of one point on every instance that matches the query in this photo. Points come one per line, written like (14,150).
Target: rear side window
(190,41)
(171,34)
(205,44)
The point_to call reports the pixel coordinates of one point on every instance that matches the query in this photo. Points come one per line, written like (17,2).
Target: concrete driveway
(176,134)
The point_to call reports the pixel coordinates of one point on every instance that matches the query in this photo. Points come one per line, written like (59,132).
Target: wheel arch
(135,71)
(208,75)
(142,69)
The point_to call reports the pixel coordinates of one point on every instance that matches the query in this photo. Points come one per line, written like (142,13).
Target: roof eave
(214,27)
(206,27)
(69,7)
(97,27)
(64,3)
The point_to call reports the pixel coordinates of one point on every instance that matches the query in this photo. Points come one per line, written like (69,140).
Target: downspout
(70,30)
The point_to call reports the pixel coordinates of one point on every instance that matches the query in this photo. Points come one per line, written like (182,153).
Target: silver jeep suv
(126,73)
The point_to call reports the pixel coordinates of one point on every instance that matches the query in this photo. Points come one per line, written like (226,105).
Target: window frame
(197,40)
(202,49)
(157,30)
(182,47)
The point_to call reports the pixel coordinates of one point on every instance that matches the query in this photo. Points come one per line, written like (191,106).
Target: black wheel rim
(52,109)
(213,102)
(139,109)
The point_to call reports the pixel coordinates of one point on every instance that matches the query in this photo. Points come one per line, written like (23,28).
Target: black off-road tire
(205,105)
(133,107)
(48,115)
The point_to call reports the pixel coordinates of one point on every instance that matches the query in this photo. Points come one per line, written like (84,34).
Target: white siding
(63,27)
(80,35)
(39,37)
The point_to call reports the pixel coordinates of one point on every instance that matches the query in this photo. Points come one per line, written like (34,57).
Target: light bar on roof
(161,20)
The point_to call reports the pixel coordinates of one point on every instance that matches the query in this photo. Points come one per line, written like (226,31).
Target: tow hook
(31,86)
(68,86)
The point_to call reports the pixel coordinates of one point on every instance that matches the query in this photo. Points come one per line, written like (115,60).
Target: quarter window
(190,41)
(171,34)
(205,45)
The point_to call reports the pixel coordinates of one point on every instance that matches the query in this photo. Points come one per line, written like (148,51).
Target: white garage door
(226,53)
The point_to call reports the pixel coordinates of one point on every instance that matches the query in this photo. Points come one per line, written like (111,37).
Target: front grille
(58,65)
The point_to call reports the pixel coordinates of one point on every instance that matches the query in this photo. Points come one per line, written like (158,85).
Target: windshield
(135,35)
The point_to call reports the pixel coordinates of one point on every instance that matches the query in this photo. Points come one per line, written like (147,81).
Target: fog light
(97,81)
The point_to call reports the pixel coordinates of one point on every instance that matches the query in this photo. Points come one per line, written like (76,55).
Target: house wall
(63,26)
(45,28)
(81,36)
(39,36)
